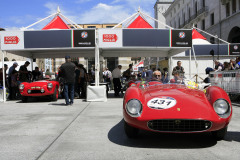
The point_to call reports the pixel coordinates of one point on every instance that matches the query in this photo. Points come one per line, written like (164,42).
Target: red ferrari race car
(175,108)
(39,89)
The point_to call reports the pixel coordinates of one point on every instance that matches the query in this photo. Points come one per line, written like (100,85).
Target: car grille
(179,125)
(35,91)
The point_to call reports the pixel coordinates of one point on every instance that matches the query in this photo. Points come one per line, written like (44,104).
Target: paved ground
(89,131)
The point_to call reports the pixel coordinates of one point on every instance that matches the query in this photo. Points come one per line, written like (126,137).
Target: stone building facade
(218,17)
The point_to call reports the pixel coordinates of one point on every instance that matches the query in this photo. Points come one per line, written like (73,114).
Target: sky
(16,14)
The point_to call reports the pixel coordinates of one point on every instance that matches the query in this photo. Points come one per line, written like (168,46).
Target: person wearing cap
(67,71)
(23,72)
(10,71)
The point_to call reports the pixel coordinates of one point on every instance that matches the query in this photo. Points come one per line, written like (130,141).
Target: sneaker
(71,103)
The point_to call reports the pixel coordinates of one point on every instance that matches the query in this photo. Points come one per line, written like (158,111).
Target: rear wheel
(24,99)
(220,134)
(130,131)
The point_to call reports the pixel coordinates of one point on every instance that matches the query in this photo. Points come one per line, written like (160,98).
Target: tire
(24,99)
(220,134)
(130,131)
(55,95)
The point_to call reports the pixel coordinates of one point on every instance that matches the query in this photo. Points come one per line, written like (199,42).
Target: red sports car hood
(176,101)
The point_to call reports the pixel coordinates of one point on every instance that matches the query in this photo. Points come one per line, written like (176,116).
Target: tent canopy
(56,23)
(139,22)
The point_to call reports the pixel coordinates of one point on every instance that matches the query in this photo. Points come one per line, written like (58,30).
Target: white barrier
(227,80)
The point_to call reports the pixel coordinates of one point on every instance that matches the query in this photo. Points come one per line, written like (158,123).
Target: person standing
(68,73)
(10,71)
(1,75)
(116,74)
(36,74)
(23,72)
(165,76)
(179,69)
(128,72)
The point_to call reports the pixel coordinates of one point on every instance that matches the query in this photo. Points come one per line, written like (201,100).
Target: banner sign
(47,39)
(234,49)
(181,38)
(12,40)
(110,38)
(205,49)
(83,38)
(146,37)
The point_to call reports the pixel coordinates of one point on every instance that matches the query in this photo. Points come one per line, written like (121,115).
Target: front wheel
(130,131)
(24,99)
(220,134)
(55,95)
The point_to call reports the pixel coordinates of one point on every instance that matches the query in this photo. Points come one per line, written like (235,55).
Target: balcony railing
(199,12)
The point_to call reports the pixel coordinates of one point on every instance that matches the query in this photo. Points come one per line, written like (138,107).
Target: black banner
(146,37)
(47,39)
(83,38)
(234,49)
(181,38)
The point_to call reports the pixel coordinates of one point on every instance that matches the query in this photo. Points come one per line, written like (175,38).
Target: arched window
(6,59)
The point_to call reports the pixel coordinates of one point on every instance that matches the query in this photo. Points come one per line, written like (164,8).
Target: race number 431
(162,103)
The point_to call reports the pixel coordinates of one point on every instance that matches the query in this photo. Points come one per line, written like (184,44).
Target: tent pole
(96,65)
(69,21)
(211,35)
(125,20)
(156,20)
(190,66)
(4,80)
(170,66)
(38,21)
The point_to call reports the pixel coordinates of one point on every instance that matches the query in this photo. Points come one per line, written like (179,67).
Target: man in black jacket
(68,73)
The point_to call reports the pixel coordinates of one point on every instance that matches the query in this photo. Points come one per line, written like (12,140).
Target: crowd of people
(226,66)
(13,78)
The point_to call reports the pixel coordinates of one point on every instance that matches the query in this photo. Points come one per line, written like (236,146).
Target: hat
(27,62)
(15,63)
(67,57)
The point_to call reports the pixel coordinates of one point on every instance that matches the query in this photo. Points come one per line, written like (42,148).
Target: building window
(91,27)
(189,12)
(184,18)
(109,26)
(203,24)
(239,4)
(234,6)
(203,3)
(196,8)
(227,9)
(212,19)
(212,40)
(179,21)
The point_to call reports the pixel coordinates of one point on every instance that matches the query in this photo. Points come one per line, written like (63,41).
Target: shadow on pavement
(233,136)
(36,100)
(111,95)
(160,140)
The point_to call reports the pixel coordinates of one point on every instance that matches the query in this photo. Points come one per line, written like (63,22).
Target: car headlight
(134,108)
(50,85)
(21,86)
(222,108)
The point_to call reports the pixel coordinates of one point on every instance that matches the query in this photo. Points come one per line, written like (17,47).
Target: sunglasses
(157,75)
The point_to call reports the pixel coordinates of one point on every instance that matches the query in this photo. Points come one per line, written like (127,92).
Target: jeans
(69,92)
(117,86)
